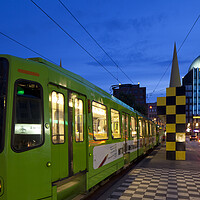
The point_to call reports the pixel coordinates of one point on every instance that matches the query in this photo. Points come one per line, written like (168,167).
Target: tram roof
(82,80)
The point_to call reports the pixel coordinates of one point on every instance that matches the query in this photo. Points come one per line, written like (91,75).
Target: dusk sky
(138,35)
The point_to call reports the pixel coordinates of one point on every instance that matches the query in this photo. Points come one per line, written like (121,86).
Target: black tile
(127,195)
(161,194)
(194,196)
(170,155)
(180,91)
(170,119)
(171,100)
(180,109)
(180,128)
(148,196)
(161,110)
(171,137)
(180,146)
(152,191)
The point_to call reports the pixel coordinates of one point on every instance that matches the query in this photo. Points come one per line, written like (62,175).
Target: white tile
(192,188)
(150,193)
(192,192)
(183,194)
(129,191)
(143,185)
(161,191)
(145,181)
(133,186)
(182,189)
(124,198)
(141,190)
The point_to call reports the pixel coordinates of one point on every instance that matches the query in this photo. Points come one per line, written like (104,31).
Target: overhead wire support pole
(94,39)
(75,41)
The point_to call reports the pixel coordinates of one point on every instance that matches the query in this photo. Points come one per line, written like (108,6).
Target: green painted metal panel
(27,175)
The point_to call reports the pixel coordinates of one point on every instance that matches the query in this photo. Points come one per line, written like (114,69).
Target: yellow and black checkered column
(173,107)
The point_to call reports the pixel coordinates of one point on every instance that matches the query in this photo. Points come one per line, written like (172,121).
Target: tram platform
(157,178)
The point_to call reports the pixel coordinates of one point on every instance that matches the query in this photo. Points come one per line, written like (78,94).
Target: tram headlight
(1,186)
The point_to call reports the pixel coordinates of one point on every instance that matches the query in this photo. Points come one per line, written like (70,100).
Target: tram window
(133,127)
(147,128)
(154,130)
(140,127)
(150,128)
(99,112)
(143,128)
(58,119)
(78,120)
(125,125)
(115,125)
(28,116)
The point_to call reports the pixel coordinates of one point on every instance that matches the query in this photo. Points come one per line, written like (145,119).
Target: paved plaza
(158,178)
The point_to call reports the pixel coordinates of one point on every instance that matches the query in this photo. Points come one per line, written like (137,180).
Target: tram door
(68,132)
(77,133)
(58,100)
(125,134)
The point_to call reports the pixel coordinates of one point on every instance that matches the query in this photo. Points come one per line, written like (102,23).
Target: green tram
(60,135)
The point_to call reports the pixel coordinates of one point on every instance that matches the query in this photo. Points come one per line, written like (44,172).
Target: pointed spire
(60,63)
(175,75)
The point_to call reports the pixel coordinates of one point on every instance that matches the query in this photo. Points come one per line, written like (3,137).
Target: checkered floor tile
(159,184)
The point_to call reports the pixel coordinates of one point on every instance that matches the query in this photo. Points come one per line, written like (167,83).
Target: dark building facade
(138,93)
(135,94)
(152,114)
(132,95)
(152,111)
(191,81)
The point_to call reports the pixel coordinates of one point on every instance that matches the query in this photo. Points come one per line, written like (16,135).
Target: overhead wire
(75,18)
(74,40)
(177,52)
(10,38)
(188,34)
